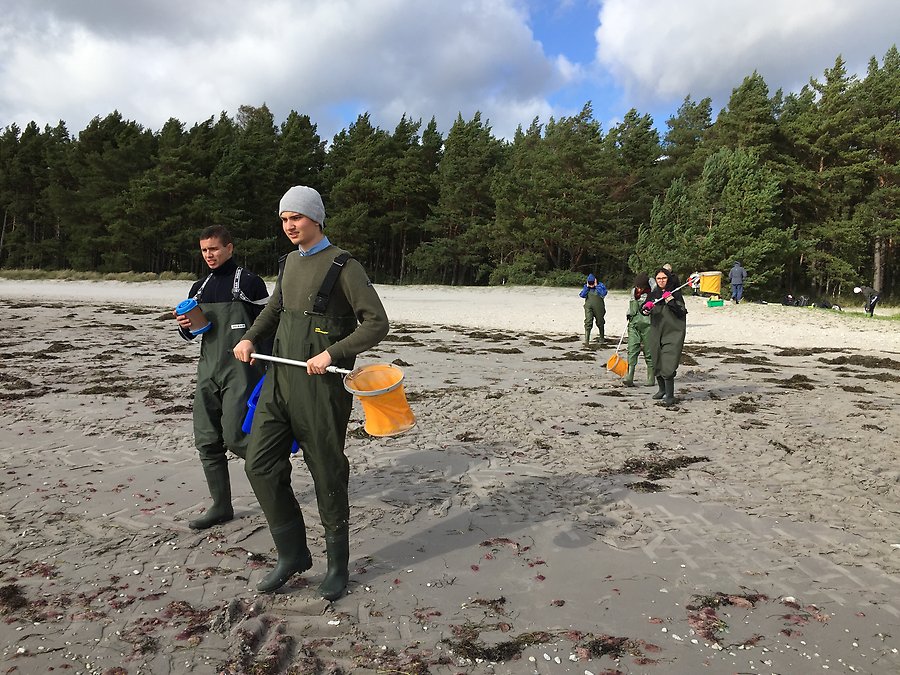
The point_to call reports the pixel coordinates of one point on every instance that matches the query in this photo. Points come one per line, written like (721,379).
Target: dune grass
(76,275)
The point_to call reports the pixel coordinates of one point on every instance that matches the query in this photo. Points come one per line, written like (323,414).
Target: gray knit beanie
(305,201)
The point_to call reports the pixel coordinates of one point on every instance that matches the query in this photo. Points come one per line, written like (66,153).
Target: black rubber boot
(337,546)
(293,555)
(662,389)
(219,484)
(670,391)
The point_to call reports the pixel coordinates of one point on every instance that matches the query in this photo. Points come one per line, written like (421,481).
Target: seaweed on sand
(646,486)
(704,620)
(864,361)
(472,649)
(793,382)
(658,467)
(12,599)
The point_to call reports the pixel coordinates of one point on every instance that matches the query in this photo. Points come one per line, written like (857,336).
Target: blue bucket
(251,410)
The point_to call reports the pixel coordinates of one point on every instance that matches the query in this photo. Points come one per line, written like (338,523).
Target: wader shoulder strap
(324,294)
(238,294)
(281,261)
(200,290)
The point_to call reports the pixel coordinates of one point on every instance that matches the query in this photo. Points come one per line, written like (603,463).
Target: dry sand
(540,518)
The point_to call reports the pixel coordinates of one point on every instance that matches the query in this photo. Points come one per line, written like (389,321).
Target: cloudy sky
(512,60)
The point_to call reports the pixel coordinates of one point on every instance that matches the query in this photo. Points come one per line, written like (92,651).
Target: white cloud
(191,60)
(660,51)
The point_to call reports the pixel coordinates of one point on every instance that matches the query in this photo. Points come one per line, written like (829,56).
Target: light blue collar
(315,249)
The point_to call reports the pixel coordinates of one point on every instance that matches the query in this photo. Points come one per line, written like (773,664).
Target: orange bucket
(379,388)
(617,365)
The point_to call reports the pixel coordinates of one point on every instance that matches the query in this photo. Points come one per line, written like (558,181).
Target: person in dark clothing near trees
(871,295)
(668,326)
(309,404)
(737,276)
(231,298)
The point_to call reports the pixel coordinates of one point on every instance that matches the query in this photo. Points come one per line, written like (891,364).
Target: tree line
(802,188)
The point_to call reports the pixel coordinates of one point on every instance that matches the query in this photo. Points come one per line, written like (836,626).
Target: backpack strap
(238,294)
(281,261)
(200,290)
(324,294)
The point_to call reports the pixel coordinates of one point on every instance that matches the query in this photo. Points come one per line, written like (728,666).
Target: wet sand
(540,517)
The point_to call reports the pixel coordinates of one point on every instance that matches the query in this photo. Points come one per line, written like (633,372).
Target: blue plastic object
(251,410)
(186,306)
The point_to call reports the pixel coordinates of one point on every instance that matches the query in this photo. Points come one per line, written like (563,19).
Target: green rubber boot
(670,391)
(219,485)
(628,380)
(337,547)
(293,555)
(587,338)
(662,389)
(650,379)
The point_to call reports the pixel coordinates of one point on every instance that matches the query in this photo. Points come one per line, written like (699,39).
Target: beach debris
(423,614)
(793,382)
(802,614)
(646,486)
(781,446)
(473,650)
(382,660)
(496,605)
(746,404)
(705,621)
(656,468)
(884,363)
(503,541)
(616,648)
(11,599)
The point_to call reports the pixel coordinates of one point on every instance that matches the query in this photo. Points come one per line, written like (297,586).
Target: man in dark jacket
(737,276)
(231,298)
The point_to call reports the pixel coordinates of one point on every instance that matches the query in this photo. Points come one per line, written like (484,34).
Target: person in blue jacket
(594,307)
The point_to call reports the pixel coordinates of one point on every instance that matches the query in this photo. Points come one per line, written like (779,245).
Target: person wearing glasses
(668,326)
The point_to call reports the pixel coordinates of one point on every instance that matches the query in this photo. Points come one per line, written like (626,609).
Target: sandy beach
(539,518)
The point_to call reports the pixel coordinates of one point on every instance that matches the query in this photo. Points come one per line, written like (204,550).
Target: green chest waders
(594,312)
(667,333)
(223,383)
(223,387)
(314,410)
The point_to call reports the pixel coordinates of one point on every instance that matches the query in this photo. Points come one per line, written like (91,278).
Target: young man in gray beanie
(324,311)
